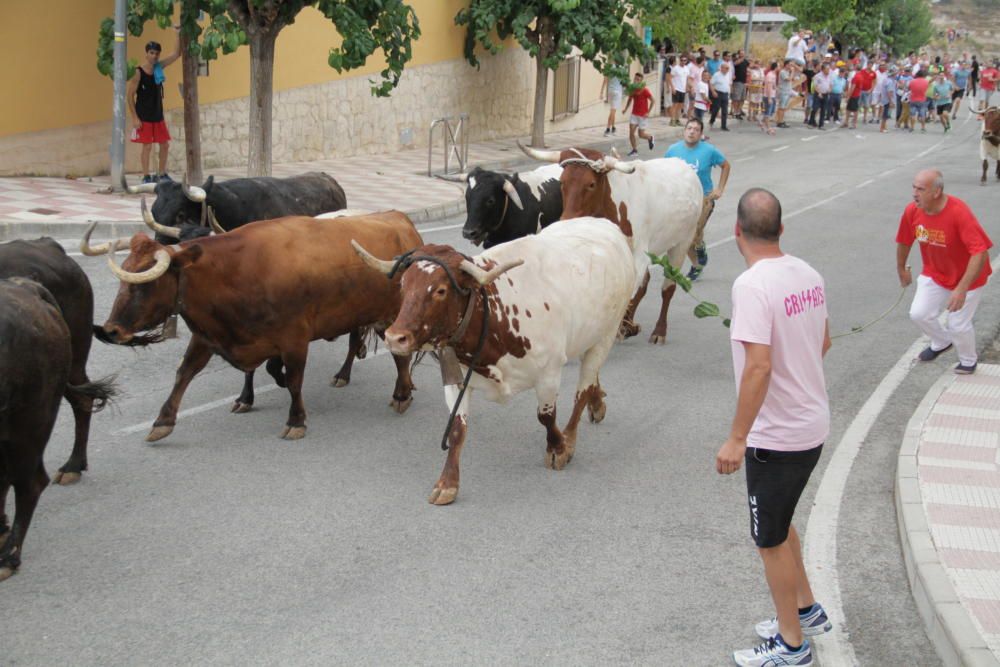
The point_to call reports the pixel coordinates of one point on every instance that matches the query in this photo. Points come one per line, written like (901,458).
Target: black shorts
(775,481)
(944,108)
(678,98)
(956,95)
(852,103)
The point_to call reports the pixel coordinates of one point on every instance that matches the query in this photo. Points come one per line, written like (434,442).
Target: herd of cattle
(258,268)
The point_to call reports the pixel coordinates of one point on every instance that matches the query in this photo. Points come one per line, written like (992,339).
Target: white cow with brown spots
(549,298)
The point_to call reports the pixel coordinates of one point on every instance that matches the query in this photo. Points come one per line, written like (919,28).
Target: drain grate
(43,211)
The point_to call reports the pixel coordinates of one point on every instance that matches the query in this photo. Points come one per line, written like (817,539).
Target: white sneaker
(774,653)
(814,622)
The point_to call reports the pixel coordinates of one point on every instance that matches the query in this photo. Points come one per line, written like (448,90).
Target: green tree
(909,25)
(364,25)
(830,16)
(549,29)
(687,23)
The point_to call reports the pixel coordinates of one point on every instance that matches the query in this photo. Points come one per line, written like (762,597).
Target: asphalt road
(224,545)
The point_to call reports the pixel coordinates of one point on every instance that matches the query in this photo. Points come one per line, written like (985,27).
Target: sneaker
(930,354)
(632,152)
(702,253)
(966,370)
(147,179)
(724,129)
(613,129)
(694,273)
(813,622)
(165,177)
(607,131)
(774,653)
(650,143)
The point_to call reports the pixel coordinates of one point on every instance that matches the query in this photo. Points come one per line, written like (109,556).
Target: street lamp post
(118,124)
(746,41)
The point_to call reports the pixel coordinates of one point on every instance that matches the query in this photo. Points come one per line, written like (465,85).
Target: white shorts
(641,121)
(615,99)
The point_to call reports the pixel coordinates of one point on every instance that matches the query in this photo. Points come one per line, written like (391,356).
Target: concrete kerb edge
(948,625)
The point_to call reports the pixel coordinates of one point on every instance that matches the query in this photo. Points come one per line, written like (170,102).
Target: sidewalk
(948,508)
(30,207)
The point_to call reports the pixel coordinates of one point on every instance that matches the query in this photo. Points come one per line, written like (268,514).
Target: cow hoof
(362,351)
(293,433)
(6,572)
(400,406)
(66,478)
(240,407)
(159,433)
(558,461)
(658,339)
(597,416)
(339,382)
(628,330)
(443,496)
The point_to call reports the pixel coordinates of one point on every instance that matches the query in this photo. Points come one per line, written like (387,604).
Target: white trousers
(929,302)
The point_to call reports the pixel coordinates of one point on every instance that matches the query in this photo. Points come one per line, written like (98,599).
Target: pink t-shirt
(781,302)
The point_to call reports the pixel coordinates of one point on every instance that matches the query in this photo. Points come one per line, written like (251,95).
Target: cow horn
(381,265)
(615,154)
(508,187)
(486,277)
(213,222)
(617,165)
(459,178)
(147,217)
(193,192)
(145,187)
(162,258)
(544,156)
(981,110)
(101,249)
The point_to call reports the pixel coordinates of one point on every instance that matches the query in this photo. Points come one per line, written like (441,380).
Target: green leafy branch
(704,308)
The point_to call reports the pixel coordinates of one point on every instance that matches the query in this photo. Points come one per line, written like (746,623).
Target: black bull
(241,200)
(45,262)
(37,360)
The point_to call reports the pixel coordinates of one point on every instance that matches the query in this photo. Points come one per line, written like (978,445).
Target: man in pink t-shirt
(779,337)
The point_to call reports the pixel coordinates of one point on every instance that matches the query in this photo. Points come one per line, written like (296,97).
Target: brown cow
(656,204)
(989,143)
(261,291)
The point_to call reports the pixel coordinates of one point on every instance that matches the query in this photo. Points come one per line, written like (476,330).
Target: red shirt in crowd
(642,99)
(856,85)
(988,78)
(918,89)
(947,240)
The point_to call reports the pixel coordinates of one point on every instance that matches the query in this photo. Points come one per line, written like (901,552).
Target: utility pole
(118,124)
(746,41)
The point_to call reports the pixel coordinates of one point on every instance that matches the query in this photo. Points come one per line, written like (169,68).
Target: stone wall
(339,118)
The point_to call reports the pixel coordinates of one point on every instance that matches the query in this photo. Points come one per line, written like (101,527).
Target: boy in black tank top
(145,102)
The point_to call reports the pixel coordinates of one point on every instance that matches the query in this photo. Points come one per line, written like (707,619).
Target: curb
(947,623)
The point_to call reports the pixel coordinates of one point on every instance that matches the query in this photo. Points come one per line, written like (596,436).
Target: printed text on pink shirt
(800,302)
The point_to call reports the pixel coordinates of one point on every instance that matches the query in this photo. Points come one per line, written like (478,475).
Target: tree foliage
(899,25)
(687,23)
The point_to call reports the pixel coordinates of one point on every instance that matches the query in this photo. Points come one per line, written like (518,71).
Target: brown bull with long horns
(259,292)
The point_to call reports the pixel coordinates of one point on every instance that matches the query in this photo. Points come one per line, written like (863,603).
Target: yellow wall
(50,79)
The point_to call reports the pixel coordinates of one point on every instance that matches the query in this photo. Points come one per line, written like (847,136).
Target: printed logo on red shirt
(933,236)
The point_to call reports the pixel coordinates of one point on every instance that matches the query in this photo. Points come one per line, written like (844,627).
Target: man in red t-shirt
(988,77)
(640,100)
(854,99)
(955,253)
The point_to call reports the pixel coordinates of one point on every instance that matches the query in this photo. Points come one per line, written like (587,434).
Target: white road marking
(205,407)
(820,548)
(815,136)
(780,148)
(863,184)
(745,159)
(438,229)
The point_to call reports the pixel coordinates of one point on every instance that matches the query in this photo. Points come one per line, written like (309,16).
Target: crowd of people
(830,87)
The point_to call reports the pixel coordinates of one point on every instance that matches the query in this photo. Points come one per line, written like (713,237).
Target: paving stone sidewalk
(30,205)
(948,496)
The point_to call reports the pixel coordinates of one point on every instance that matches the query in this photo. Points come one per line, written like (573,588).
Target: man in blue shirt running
(702,156)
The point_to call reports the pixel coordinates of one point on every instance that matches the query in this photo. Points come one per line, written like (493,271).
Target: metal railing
(456,142)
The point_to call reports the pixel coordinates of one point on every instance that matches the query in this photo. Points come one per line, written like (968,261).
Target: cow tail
(102,391)
(102,335)
(370,338)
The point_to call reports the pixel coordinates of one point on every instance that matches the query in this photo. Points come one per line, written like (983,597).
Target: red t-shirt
(918,89)
(947,241)
(856,85)
(988,78)
(642,99)
(868,81)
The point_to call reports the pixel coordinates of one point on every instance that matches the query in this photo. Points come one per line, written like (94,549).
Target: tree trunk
(192,121)
(541,93)
(261,93)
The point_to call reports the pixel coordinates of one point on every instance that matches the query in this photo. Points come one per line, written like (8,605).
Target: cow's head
(991,126)
(179,205)
(584,181)
(488,196)
(149,283)
(436,288)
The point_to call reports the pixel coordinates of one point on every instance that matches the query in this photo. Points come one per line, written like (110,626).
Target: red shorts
(151,133)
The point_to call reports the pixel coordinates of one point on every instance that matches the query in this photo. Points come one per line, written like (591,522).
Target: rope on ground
(861,328)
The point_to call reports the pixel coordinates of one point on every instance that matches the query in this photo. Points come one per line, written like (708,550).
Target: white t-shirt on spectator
(796,48)
(679,76)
